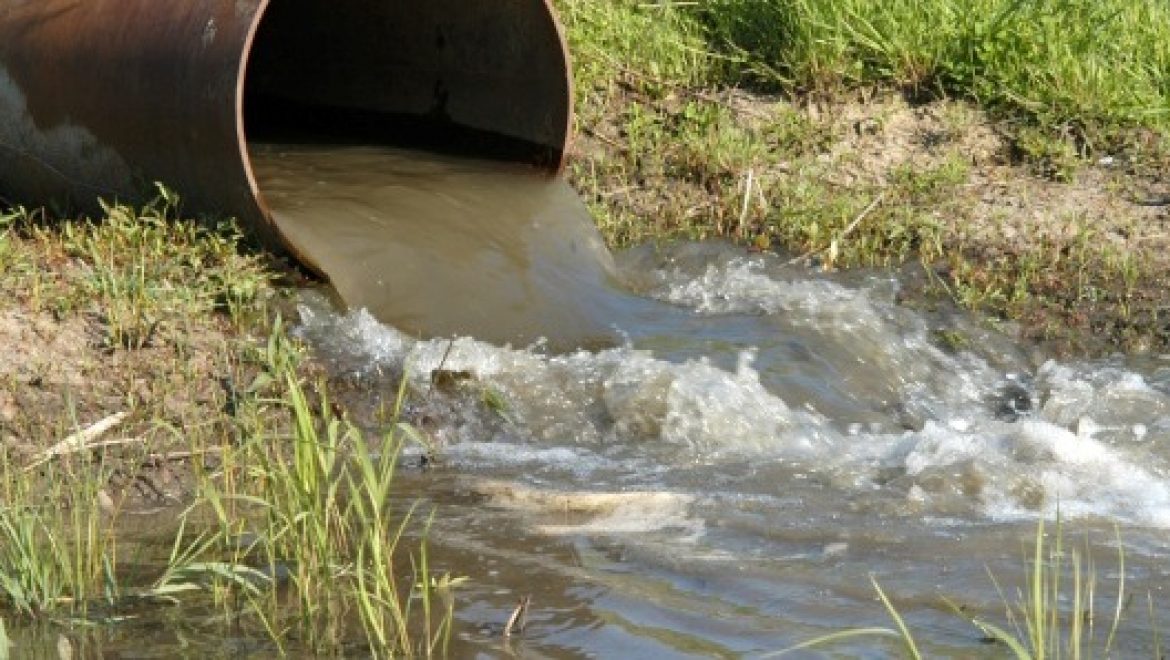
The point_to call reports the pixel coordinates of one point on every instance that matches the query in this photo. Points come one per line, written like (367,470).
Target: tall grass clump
(312,511)
(1056,614)
(1081,66)
(57,552)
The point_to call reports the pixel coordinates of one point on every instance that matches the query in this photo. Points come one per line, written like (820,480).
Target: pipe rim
(271,229)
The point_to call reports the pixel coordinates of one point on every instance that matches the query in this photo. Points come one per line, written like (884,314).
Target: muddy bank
(138,334)
(1073,250)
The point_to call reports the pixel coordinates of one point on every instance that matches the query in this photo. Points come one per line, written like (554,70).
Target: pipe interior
(471,77)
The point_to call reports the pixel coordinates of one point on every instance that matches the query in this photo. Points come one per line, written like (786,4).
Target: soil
(1009,209)
(1006,202)
(57,381)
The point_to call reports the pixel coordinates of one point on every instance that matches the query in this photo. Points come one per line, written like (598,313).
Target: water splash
(1092,444)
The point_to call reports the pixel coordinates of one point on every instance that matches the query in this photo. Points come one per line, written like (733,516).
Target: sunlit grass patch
(1076,66)
(651,47)
(133,268)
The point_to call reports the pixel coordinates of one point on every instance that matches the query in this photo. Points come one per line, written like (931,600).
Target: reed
(57,550)
(1054,614)
(317,504)
(296,533)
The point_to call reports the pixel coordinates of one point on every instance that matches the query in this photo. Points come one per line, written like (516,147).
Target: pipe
(101,98)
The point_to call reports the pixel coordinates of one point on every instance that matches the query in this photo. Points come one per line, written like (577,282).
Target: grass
(54,556)
(1104,63)
(1053,615)
(722,118)
(319,507)
(1104,70)
(769,123)
(164,328)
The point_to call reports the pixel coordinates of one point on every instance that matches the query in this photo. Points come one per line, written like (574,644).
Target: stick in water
(519,617)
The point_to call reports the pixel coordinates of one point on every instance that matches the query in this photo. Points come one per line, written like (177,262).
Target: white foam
(1094,446)
(1036,467)
(634,512)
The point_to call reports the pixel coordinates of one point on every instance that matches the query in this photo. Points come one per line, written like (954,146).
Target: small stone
(8,409)
(105,502)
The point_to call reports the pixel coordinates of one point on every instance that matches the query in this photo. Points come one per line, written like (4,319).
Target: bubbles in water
(945,432)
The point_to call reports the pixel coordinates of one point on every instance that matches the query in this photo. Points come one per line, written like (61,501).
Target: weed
(1040,626)
(292,529)
(1053,616)
(55,550)
(317,505)
(1050,156)
(1103,62)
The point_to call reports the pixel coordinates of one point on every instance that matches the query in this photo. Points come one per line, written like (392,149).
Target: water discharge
(739,445)
(443,246)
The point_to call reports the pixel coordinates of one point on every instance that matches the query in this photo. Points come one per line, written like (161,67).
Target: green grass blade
(907,638)
(1120,593)
(833,638)
(1035,605)
(1004,637)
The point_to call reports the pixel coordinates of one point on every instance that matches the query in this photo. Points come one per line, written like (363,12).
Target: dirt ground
(1076,251)
(59,385)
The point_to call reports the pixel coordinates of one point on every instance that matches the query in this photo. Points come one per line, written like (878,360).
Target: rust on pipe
(101,98)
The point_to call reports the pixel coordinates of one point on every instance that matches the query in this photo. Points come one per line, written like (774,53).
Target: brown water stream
(440,246)
(738,447)
(742,444)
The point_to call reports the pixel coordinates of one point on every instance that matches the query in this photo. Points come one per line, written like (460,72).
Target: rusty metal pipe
(101,98)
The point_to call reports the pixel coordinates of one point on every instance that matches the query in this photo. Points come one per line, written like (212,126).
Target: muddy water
(722,480)
(439,246)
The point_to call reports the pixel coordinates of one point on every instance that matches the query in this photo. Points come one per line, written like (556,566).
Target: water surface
(438,245)
(740,444)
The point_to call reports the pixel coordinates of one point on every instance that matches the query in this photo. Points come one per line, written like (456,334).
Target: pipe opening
(469,77)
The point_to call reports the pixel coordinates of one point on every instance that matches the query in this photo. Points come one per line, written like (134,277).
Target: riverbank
(683,131)
(143,366)
(1038,197)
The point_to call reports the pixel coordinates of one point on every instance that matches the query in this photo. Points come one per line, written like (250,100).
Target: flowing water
(740,444)
(440,246)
